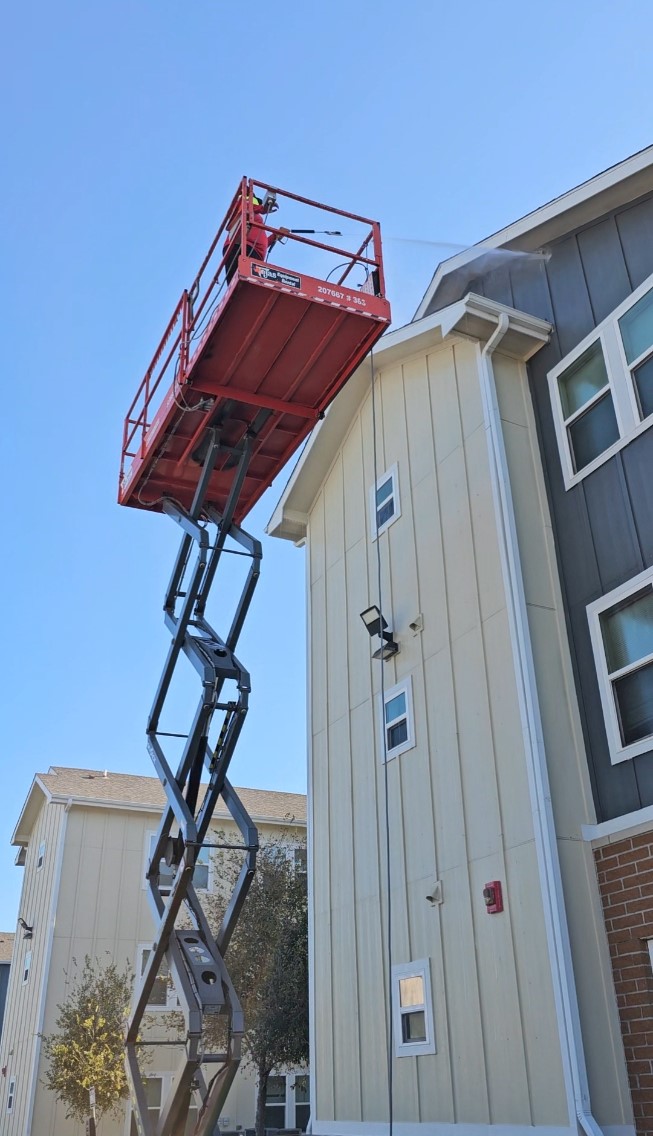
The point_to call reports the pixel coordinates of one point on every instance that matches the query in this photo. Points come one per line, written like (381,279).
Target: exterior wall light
(376,625)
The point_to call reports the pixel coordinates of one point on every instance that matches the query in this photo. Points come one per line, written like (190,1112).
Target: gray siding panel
(612,526)
(635,227)
(638,470)
(603,526)
(604,267)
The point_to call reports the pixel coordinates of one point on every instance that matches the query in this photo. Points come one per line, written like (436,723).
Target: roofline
(581,205)
(472,317)
(36,784)
(70,801)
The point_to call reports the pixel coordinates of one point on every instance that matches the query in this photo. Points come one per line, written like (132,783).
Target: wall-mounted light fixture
(27,930)
(376,625)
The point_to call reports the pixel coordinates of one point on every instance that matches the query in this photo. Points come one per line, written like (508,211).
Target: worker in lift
(258,241)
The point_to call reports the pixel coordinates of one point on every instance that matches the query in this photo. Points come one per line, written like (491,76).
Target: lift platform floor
(272,356)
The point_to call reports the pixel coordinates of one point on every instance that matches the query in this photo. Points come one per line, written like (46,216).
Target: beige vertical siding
(568,771)
(459,800)
(21,1024)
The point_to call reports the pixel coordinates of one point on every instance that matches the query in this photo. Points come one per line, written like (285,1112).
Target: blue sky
(127,127)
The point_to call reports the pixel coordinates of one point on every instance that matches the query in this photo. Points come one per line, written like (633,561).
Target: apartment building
(481,794)
(84,840)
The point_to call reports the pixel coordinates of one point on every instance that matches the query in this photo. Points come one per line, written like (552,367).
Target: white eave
(472,317)
(620,185)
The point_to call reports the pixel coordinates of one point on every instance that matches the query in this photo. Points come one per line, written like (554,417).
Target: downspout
(555,915)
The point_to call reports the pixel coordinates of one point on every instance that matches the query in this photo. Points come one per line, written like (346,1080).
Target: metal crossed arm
(195,957)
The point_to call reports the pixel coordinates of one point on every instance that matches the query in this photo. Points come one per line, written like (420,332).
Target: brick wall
(625,873)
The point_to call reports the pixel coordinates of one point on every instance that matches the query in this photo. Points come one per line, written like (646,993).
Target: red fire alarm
(493,897)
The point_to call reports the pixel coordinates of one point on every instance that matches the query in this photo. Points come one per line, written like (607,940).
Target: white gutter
(555,916)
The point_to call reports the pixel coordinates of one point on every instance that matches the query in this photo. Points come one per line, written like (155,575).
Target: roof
(97,787)
(6,945)
(619,185)
(474,316)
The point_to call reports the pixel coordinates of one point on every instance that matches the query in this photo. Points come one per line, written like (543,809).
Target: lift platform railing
(194,955)
(198,305)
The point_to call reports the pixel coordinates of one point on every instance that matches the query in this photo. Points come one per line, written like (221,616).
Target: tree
(87,1050)
(268,963)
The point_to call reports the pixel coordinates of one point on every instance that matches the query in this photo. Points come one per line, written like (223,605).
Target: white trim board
(379,1127)
(619,828)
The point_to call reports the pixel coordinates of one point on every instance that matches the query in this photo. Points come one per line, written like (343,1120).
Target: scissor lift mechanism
(195,957)
(291,365)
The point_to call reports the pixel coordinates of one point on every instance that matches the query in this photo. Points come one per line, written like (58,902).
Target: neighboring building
(6,949)
(84,839)
(507,510)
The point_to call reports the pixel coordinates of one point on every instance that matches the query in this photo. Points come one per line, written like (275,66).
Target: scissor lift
(246,367)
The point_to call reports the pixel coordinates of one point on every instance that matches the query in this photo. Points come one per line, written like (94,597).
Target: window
(11,1094)
(41,856)
(384,502)
(201,875)
(27,966)
(602,392)
(162,995)
(287,1101)
(397,722)
(299,860)
(412,1009)
(621,627)
(156,1090)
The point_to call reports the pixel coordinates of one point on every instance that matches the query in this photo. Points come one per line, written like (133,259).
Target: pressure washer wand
(318,232)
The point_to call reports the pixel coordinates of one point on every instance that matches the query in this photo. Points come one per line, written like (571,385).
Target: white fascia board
(29,812)
(473,317)
(616,186)
(157,810)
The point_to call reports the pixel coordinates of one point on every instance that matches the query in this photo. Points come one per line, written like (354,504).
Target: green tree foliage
(87,1050)
(268,962)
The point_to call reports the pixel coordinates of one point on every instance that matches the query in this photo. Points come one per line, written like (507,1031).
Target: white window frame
(172,1001)
(618,751)
(403,687)
(165,890)
(621,383)
(41,856)
(290,1103)
(393,474)
(11,1094)
(27,966)
(420,968)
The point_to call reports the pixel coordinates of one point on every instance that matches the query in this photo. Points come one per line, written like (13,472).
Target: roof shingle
(6,945)
(131,789)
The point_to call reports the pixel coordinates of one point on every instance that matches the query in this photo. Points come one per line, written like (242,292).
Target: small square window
(412,1009)
(41,856)
(621,626)
(27,966)
(384,502)
(397,723)
(11,1094)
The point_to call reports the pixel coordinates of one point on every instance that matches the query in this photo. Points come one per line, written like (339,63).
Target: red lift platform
(258,356)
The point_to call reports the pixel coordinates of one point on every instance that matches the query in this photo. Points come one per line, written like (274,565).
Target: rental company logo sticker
(287,279)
